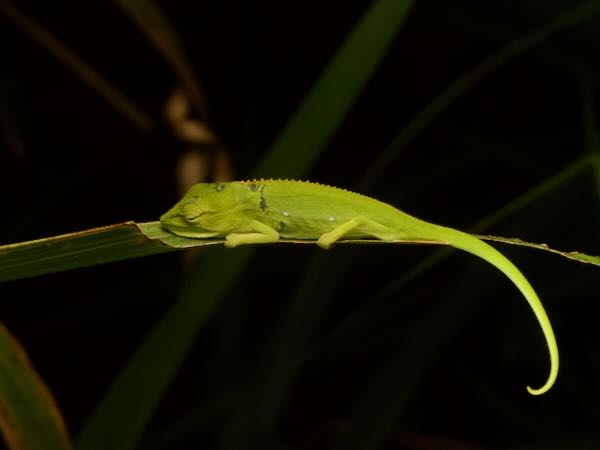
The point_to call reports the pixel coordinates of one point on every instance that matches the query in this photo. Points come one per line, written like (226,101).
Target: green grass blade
(79,67)
(266,388)
(571,171)
(88,248)
(576,256)
(102,245)
(132,240)
(30,419)
(590,120)
(157,27)
(386,399)
(437,257)
(462,84)
(74,250)
(332,96)
(122,415)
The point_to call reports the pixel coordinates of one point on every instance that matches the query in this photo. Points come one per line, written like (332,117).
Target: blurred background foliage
(359,348)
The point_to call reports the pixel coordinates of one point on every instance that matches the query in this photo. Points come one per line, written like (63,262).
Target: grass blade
(159,30)
(462,84)
(30,418)
(332,96)
(74,250)
(89,248)
(121,417)
(576,256)
(107,91)
(394,385)
(590,120)
(102,245)
(132,240)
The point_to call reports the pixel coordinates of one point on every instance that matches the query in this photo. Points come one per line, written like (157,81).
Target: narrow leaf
(74,250)
(577,256)
(462,84)
(590,120)
(122,416)
(79,67)
(29,417)
(157,27)
(332,96)
(130,240)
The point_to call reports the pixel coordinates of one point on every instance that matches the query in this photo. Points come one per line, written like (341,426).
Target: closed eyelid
(191,210)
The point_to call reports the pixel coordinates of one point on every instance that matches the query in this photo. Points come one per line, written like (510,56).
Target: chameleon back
(303,210)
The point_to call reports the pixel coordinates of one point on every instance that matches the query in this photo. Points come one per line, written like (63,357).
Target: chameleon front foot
(260,234)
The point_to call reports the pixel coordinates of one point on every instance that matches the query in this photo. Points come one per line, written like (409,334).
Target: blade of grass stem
(123,414)
(30,418)
(589,118)
(359,54)
(387,397)
(463,83)
(439,255)
(84,71)
(153,22)
(267,386)
(119,420)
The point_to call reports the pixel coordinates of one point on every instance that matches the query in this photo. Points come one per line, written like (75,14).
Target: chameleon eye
(191,211)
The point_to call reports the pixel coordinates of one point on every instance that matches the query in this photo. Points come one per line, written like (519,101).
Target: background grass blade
(133,240)
(576,256)
(459,86)
(74,250)
(398,380)
(89,248)
(277,365)
(100,246)
(576,169)
(30,418)
(172,337)
(121,417)
(156,26)
(90,76)
(272,358)
(329,101)
(590,120)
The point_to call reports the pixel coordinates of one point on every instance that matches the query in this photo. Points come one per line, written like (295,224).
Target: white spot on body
(331,219)
(285,213)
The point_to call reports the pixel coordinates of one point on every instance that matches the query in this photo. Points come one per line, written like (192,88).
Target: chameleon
(264,211)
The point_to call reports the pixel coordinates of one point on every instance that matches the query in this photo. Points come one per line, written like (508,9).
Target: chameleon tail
(471,244)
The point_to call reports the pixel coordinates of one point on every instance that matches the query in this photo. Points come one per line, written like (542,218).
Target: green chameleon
(263,211)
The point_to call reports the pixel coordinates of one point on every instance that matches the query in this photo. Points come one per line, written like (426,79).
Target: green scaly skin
(263,211)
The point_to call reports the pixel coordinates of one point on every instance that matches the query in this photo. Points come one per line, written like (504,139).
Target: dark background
(69,162)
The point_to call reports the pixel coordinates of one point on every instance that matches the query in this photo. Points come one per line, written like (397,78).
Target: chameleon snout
(170,220)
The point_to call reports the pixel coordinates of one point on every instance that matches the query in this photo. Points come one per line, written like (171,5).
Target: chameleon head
(196,214)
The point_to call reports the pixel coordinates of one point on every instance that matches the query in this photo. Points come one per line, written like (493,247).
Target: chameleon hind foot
(359,224)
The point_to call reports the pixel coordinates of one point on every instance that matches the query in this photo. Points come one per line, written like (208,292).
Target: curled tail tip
(545,388)
(553,369)
(538,391)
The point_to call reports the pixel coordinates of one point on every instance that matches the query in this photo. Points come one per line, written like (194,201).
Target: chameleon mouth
(180,226)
